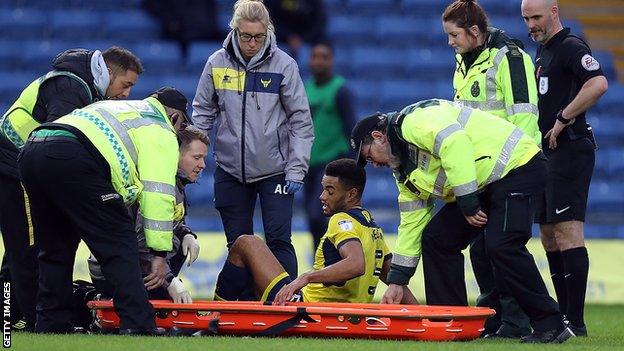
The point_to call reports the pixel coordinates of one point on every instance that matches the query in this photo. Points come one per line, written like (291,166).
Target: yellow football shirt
(355,224)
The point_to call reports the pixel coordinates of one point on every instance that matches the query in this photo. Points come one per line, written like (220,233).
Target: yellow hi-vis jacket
(139,143)
(501,82)
(446,151)
(17,123)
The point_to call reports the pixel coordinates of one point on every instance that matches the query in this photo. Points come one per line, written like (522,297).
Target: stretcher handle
(280,327)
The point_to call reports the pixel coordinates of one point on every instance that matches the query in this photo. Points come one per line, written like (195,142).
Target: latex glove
(178,292)
(293,186)
(190,248)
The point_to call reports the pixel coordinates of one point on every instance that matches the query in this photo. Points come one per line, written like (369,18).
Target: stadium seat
(373,63)
(432,64)
(10,54)
(23,23)
(37,56)
(396,94)
(13,84)
(351,29)
(372,7)
(131,25)
(199,53)
(407,31)
(76,24)
(162,57)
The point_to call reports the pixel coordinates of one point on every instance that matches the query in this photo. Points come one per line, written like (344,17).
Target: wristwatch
(561,119)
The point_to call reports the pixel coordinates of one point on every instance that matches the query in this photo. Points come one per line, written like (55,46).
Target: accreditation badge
(543,85)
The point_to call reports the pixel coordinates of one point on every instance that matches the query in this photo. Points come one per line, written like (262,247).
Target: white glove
(190,248)
(178,292)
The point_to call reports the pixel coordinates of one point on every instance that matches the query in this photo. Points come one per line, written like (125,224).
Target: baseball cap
(172,97)
(361,131)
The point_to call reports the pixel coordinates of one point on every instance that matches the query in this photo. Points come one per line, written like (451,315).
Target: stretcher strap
(280,327)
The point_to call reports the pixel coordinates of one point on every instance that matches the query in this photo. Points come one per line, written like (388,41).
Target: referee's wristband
(561,119)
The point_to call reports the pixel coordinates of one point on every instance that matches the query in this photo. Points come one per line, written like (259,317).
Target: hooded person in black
(79,78)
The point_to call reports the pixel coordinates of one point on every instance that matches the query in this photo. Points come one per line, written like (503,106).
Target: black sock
(557,272)
(576,262)
(231,282)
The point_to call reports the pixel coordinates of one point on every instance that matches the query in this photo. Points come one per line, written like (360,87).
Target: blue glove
(293,186)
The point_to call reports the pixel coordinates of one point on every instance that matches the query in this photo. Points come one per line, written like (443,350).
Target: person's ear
(352,194)
(173,117)
(474,30)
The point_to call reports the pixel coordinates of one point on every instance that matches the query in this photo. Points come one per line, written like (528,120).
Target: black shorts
(570,168)
(276,285)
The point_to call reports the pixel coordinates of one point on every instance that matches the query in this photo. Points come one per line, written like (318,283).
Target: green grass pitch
(605,325)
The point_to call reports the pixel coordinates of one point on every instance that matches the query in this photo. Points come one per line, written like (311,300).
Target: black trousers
(510,206)
(509,318)
(236,202)
(72,198)
(20,249)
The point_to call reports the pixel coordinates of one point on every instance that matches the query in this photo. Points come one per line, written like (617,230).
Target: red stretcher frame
(346,320)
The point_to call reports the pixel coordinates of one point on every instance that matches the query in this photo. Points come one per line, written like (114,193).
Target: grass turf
(605,326)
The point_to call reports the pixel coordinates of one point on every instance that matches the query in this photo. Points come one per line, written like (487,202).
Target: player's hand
(478,220)
(287,291)
(552,134)
(293,187)
(393,295)
(158,274)
(190,248)
(178,292)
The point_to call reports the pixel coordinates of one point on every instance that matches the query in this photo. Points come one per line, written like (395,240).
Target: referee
(569,81)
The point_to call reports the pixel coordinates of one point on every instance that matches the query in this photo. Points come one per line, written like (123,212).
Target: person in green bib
(79,77)
(333,118)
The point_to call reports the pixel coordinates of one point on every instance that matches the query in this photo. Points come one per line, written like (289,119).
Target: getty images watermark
(6,315)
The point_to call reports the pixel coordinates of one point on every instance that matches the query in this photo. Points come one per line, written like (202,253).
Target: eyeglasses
(259,38)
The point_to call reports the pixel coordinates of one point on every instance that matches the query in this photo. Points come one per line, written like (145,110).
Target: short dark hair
(465,14)
(348,174)
(325,43)
(119,60)
(187,135)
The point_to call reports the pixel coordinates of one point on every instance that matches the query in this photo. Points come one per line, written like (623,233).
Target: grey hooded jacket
(261,110)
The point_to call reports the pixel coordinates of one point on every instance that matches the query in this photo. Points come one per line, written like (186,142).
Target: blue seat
(38,55)
(422,7)
(186,84)
(22,23)
(366,93)
(407,31)
(13,84)
(76,24)
(371,62)
(606,197)
(199,53)
(611,101)
(396,94)
(351,29)
(161,57)
(372,7)
(432,63)
(10,53)
(607,64)
(131,25)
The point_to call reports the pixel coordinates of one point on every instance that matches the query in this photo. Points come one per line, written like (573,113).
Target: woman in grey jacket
(253,92)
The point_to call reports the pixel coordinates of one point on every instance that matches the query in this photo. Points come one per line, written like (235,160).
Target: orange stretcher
(347,320)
